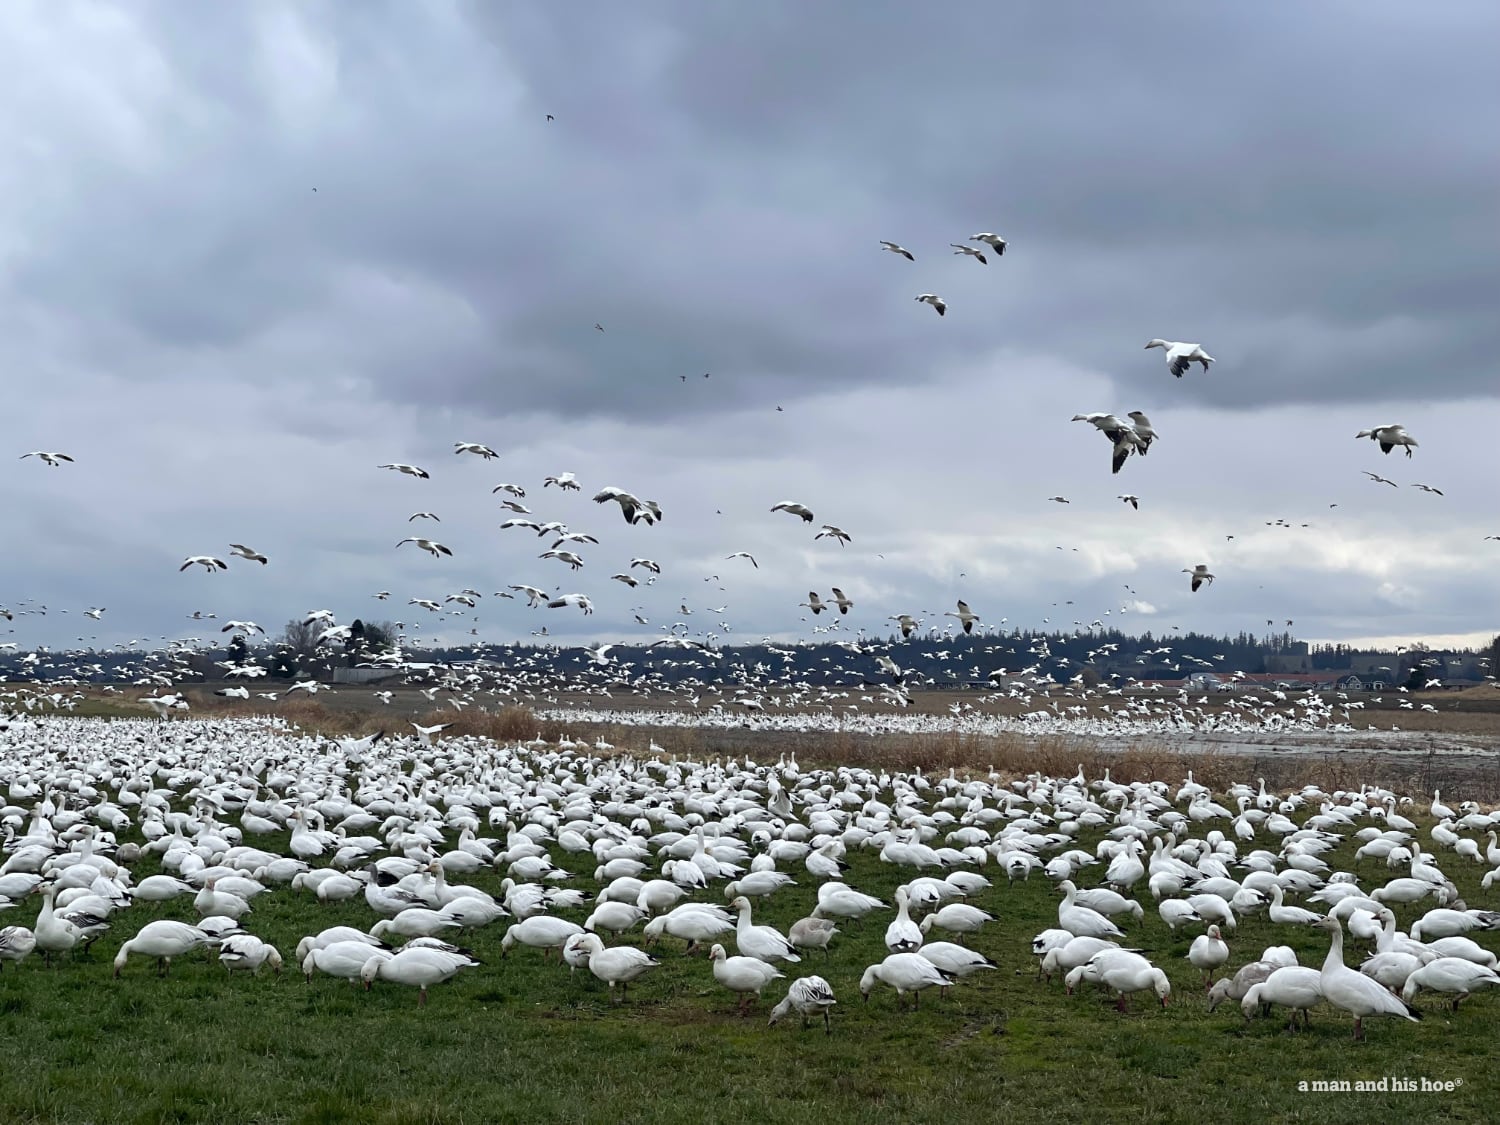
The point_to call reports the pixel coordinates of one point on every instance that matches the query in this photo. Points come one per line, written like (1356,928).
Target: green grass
(523,1039)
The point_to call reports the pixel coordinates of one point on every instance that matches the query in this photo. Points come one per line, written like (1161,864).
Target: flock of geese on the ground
(648,853)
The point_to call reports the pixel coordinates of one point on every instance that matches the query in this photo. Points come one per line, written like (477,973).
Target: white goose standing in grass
(248,953)
(162,939)
(1293,986)
(745,975)
(16,944)
(808,996)
(905,972)
(342,959)
(957,918)
(1454,976)
(1080,921)
(1181,356)
(619,965)
(1353,992)
(419,968)
(1208,952)
(52,933)
(954,959)
(540,931)
(761,942)
(903,935)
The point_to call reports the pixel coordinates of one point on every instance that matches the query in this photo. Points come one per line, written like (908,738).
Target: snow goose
(207,562)
(247,952)
(791,507)
(903,935)
(994,241)
(957,918)
(1235,987)
(1123,971)
(51,460)
(808,996)
(433,548)
(162,939)
(745,975)
(1200,575)
(1452,975)
(1282,914)
(1181,356)
(761,942)
(1388,437)
(897,249)
(936,302)
(409,470)
(619,965)
(905,972)
(954,959)
(541,931)
(1080,921)
(342,959)
(836,900)
(16,944)
(1208,952)
(1353,992)
(474,447)
(693,922)
(616,917)
(969,251)
(52,933)
(812,933)
(1294,987)
(419,968)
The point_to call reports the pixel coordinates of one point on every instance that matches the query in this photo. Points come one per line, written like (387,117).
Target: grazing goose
(957,918)
(162,939)
(1354,992)
(745,975)
(905,972)
(936,302)
(540,931)
(1125,972)
(954,959)
(419,968)
(1388,437)
(836,900)
(619,965)
(1181,356)
(1452,975)
(1080,921)
(808,996)
(693,922)
(1295,987)
(16,944)
(342,959)
(247,952)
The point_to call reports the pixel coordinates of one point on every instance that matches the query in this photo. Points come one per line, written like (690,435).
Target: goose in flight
(1429,488)
(1389,437)
(1133,501)
(409,470)
(969,251)
(907,622)
(842,600)
(475,448)
(628,579)
(1181,356)
(1200,575)
(240,551)
(795,509)
(565,481)
(1379,479)
(895,249)
(517,522)
(242,627)
(534,597)
(814,603)
(514,489)
(1126,443)
(580,601)
(994,241)
(1060,499)
(1142,426)
(52,460)
(649,564)
(97,612)
(936,302)
(423,516)
(432,548)
(568,557)
(207,562)
(634,509)
(513,506)
(965,615)
(743,555)
(427,604)
(831,532)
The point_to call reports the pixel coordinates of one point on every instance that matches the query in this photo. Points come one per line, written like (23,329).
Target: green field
(523,1039)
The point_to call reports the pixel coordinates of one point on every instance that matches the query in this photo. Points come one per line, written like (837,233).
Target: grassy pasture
(523,1039)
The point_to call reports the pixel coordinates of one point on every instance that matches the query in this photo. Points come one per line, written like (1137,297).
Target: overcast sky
(250,252)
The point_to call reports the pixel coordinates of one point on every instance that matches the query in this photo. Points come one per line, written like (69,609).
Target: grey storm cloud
(305,239)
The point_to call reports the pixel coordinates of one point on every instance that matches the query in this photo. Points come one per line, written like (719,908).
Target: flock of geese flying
(609,862)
